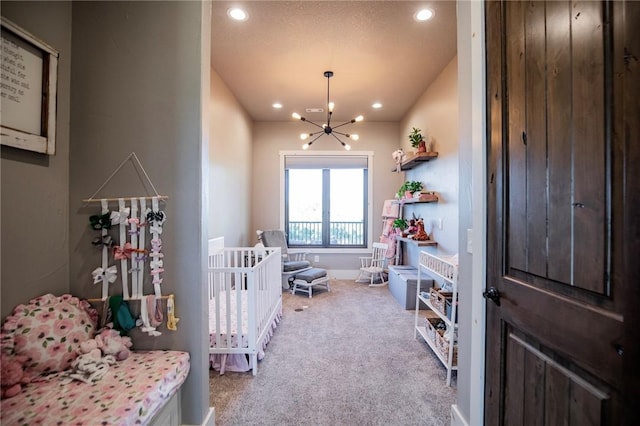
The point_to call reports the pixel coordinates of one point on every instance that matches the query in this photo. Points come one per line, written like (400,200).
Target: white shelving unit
(445,271)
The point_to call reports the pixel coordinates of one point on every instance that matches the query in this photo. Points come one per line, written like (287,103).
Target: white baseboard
(210,420)
(343,274)
(456,417)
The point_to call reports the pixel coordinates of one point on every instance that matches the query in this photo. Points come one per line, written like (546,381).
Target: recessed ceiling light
(376,105)
(423,15)
(237,14)
(277,105)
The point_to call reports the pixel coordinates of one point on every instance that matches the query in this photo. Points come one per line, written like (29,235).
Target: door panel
(539,390)
(558,193)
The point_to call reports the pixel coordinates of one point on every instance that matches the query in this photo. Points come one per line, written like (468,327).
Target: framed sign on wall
(28,89)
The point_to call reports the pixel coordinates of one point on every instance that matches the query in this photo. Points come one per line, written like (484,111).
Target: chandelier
(326,129)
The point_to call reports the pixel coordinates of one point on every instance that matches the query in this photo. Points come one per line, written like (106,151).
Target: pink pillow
(48,331)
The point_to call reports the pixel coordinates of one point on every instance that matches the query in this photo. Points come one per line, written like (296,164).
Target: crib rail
(245,287)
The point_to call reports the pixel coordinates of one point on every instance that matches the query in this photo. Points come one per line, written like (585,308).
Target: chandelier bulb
(359,118)
(296,116)
(353,137)
(305,146)
(347,146)
(304,136)
(331,105)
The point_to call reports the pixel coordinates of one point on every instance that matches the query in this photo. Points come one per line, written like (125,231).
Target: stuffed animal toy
(420,234)
(110,342)
(399,156)
(13,375)
(90,349)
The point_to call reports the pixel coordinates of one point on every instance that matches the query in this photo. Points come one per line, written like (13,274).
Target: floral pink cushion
(48,331)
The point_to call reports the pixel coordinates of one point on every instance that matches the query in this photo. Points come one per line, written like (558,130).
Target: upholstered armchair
(293,262)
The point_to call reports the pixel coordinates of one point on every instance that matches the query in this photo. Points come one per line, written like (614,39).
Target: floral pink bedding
(131,393)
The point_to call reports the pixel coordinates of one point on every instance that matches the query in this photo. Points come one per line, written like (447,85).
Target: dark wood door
(563,185)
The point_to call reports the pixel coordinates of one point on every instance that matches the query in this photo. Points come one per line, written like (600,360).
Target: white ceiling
(376,50)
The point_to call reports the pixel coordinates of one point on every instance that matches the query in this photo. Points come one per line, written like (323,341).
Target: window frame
(368,197)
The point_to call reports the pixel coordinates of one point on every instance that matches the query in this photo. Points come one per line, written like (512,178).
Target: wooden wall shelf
(418,158)
(416,242)
(425,198)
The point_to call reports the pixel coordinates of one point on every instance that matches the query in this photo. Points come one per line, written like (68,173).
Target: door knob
(493,294)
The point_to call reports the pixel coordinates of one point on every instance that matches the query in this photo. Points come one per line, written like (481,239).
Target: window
(326,199)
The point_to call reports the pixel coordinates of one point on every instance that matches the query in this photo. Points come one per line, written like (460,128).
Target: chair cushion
(294,265)
(274,238)
(311,274)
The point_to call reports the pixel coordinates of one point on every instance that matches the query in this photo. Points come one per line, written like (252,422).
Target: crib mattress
(233,362)
(234,313)
(131,392)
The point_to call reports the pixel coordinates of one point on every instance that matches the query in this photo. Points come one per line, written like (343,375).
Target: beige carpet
(347,357)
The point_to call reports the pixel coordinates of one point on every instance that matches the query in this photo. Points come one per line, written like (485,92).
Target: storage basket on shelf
(439,300)
(436,335)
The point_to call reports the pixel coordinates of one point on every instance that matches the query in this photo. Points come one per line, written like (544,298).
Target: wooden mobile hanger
(133,156)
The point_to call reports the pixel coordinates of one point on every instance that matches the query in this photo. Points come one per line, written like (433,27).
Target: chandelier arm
(346,135)
(315,124)
(315,139)
(338,139)
(346,122)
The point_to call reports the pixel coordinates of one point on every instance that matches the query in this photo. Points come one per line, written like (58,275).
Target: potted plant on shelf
(402,191)
(409,188)
(401,224)
(417,140)
(415,187)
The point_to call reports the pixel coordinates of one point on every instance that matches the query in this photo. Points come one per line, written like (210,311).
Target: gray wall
(35,187)
(436,114)
(271,138)
(137,87)
(230,168)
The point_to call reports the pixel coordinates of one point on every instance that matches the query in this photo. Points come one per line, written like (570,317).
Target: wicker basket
(436,336)
(430,325)
(439,300)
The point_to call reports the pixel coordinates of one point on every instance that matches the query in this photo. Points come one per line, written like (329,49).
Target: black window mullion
(326,219)
(286,205)
(365,204)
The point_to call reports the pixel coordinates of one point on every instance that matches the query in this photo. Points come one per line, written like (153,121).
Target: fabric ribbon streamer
(105,223)
(145,325)
(141,243)
(122,319)
(154,307)
(120,217)
(133,222)
(156,218)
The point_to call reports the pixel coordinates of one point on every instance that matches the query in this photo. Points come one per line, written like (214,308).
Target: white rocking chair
(373,266)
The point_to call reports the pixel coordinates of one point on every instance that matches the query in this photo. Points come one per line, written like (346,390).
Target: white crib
(245,303)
